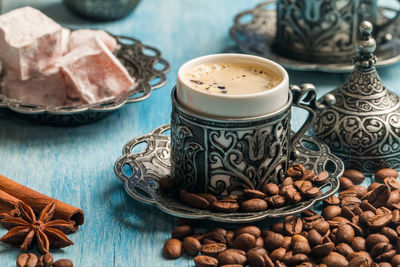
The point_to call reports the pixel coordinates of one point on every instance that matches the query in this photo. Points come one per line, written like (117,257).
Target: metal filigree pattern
(222,156)
(135,57)
(259,35)
(141,172)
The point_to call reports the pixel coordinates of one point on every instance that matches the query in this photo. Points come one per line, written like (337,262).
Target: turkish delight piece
(29,41)
(46,89)
(94,74)
(80,38)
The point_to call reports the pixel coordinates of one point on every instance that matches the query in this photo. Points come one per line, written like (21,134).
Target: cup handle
(304,97)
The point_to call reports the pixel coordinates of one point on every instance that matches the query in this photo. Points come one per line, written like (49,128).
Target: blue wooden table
(76,164)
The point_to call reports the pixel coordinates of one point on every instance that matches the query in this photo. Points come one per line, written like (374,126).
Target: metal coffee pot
(360,121)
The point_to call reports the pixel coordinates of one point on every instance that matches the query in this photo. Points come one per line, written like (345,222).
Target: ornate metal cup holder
(257,36)
(141,171)
(143,62)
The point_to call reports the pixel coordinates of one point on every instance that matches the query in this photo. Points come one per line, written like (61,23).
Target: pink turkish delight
(79,38)
(46,89)
(65,34)
(30,42)
(94,74)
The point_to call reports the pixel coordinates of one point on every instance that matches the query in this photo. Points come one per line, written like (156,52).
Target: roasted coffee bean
(359,262)
(345,183)
(302,184)
(392,182)
(232,256)
(253,230)
(213,249)
(347,213)
(273,240)
(225,206)
(347,193)
(389,233)
(255,257)
(259,242)
(322,227)
(309,175)
(300,245)
(229,237)
(182,231)
(296,171)
(344,249)
(63,263)
(277,254)
(194,200)
(359,244)
(270,189)
(383,173)
(355,176)
(251,193)
(360,254)
(287,242)
(380,248)
(379,196)
(314,238)
(293,225)
(244,242)
(292,195)
(383,264)
(27,260)
(215,236)
(359,189)
(365,206)
(394,199)
(373,186)
(276,227)
(219,230)
(379,221)
(344,234)
(331,211)
(191,246)
(205,261)
(335,260)
(276,201)
(45,260)
(297,259)
(311,192)
(209,197)
(253,205)
(396,260)
(287,181)
(373,239)
(323,249)
(321,178)
(333,200)
(172,248)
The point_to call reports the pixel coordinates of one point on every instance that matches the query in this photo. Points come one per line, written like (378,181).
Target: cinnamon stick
(37,201)
(8,205)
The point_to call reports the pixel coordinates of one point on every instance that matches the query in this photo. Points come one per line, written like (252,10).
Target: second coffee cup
(230,123)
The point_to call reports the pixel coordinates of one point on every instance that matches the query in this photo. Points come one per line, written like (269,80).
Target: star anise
(24,231)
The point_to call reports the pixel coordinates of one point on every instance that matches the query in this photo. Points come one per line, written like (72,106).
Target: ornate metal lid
(360,121)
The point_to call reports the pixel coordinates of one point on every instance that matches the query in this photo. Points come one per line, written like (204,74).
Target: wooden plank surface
(76,164)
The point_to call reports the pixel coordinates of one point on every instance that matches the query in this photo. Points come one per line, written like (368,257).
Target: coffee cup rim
(235,57)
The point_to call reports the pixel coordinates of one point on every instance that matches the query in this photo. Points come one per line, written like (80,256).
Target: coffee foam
(232,78)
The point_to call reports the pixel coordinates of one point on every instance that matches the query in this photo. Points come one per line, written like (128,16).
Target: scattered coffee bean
(333,200)
(172,248)
(182,231)
(254,204)
(194,200)
(225,206)
(383,173)
(191,246)
(270,189)
(205,261)
(232,256)
(355,176)
(251,193)
(212,249)
(345,183)
(63,263)
(27,260)
(45,260)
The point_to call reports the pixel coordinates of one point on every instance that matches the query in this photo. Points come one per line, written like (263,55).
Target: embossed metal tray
(257,36)
(144,64)
(141,172)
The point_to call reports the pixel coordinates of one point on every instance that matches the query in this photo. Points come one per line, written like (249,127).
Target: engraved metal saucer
(144,64)
(257,37)
(141,172)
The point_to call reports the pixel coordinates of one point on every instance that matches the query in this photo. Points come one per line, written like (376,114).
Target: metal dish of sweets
(315,35)
(141,172)
(144,64)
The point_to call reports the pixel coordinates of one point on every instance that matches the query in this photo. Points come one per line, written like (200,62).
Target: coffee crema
(232,78)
